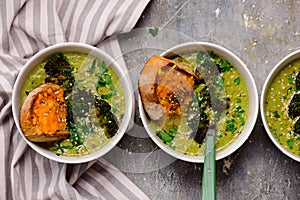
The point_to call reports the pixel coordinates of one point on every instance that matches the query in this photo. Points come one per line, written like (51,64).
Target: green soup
(229,122)
(91,79)
(278,99)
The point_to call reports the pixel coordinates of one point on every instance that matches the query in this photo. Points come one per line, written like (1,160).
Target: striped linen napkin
(25,28)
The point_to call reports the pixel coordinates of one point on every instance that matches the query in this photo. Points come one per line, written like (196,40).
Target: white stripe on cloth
(120,18)
(25,28)
(107,185)
(104,20)
(91,20)
(120,177)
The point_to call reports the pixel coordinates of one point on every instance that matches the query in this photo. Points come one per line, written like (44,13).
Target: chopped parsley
(237,80)
(276,114)
(230,125)
(238,112)
(167,136)
(290,143)
(153,31)
(225,65)
(104,79)
(290,79)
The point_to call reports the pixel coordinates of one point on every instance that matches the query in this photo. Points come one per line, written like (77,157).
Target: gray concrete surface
(260,33)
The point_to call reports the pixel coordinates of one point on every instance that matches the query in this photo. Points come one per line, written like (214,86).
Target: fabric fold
(25,28)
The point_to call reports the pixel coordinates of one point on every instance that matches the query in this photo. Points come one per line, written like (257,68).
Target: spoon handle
(209,170)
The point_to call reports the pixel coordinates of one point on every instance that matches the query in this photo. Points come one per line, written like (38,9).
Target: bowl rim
(289,58)
(253,110)
(90,50)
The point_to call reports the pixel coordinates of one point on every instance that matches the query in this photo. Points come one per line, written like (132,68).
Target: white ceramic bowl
(281,65)
(88,49)
(253,95)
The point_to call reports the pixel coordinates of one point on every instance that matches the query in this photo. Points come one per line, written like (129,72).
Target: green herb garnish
(167,136)
(153,31)
(237,80)
(104,80)
(230,125)
(225,65)
(74,135)
(290,143)
(277,136)
(238,112)
(276,114)
(290,79)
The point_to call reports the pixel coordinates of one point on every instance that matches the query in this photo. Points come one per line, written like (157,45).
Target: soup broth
(279,97)
(229,121)
(90,81)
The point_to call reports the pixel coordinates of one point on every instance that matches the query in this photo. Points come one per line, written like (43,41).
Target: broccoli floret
(294,106)
(81,101)
(296,98)
(69,108)
(79,105)
(106,118)
(208,74)
(297,127)
(198,119)
(59,72)
(102,106)
(297,81)
(294,109)
(203,124)
(57,64)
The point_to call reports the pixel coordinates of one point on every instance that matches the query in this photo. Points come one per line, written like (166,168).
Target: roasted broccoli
(297,81)
(69,108)
(106,118)
(198,120)
(59,72)
(203,124)
(82,99)
(79,105)
(209,94)
(297,127)
(296,98)
(294,109)
(294,106)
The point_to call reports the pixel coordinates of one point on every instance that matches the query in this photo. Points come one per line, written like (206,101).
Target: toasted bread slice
(165,87)
(43,114)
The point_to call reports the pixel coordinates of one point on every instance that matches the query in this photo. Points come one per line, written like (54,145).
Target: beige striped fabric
(25,28)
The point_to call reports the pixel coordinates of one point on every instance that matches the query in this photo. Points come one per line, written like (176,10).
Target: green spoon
(209,170)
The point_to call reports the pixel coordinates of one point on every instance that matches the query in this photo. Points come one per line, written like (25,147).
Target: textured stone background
(260,33)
